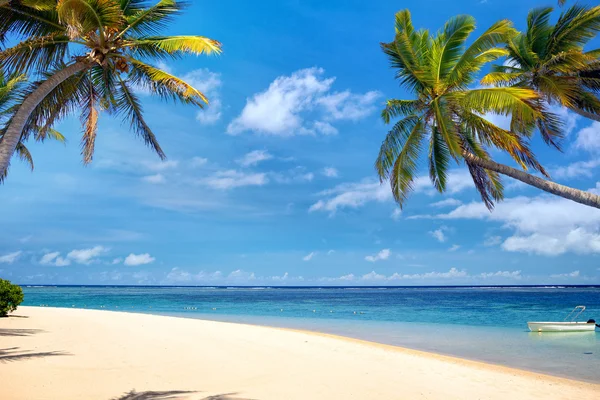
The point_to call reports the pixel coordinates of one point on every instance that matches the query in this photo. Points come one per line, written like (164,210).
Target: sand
(51,353)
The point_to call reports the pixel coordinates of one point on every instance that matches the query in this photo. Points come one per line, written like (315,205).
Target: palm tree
(450,116)
(111,42)
(11,90)
(551,59)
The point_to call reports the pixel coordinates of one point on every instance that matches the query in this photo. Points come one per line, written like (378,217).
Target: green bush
(10,297)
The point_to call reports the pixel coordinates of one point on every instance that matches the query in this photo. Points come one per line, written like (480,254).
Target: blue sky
(274,183)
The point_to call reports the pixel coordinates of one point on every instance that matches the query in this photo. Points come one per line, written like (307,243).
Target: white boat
(569,324)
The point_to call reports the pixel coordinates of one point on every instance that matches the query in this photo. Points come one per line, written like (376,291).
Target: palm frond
(488,183)
(129,105)
(18,19)
(574,28)
(151,20)
(85,16)
(165,85)
(89,119)
(36,54)
(439,157)
(173,46)
(397,108)
(448,46)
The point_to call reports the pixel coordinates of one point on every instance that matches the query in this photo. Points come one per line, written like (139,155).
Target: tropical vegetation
(92,56)
(11,91)
(10,297)
(551,60)
(449,115)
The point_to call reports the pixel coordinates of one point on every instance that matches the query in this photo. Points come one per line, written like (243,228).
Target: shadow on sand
(14,354)
(172,395)
(19,332)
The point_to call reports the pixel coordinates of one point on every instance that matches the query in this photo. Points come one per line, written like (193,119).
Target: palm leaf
(154,46)
(397,108)
(152,19)
(129,105)
(439,156)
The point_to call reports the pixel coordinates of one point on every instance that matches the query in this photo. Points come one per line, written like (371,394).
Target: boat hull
(561,326)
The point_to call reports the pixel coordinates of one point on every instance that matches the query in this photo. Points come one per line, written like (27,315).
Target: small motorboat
(569,324)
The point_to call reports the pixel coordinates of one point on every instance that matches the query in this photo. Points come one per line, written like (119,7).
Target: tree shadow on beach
(19,332)
(13,354)
(172,395)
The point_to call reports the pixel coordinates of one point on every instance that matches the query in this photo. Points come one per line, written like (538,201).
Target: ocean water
(481,323)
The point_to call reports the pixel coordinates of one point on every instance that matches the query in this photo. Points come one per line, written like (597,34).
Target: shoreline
(385,366)
(448,356)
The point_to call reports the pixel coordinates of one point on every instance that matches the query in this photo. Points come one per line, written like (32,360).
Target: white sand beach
(52,353)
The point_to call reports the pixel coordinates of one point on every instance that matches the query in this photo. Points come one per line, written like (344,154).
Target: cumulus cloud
(86,256)
(446,203)
(330,172)
(542,225)
(155,179)
(254,157)
(309,256)
(452,274)
(10,257)
(230,179)
(138,259)
(209,83)
(301,104)
(396,214)
(576,169)
(382,255)
(80,256)
(574,274)
(159,166)
(198,162)
(587,138)
(357,194)
(439,234)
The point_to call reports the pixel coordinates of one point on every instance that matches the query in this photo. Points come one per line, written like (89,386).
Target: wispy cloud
(10,257)
(254,157)
(309,256)
(231,179)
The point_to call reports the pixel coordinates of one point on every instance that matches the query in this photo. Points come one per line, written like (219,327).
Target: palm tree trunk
(585,114)
(13,133)
(579,196)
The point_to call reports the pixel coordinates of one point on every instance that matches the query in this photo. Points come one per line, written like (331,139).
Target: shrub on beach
(10,297)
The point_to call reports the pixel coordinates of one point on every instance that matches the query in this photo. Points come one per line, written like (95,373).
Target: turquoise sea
(480,323)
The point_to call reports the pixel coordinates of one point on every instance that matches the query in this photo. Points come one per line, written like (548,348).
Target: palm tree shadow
(171,395)
(19,332)
(12,354)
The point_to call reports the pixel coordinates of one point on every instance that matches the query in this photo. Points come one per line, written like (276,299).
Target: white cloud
(294,175)
(396,214)
(254,157)
(454,247)
(282,108)
(543,225)
(198,162)
(10,257)
(574,274)
(501,274)
(309,256)
(161,165)
(232,179)
(325,128)
(439,234)
(138,259)
(177,275)
(330,172)
(54,259)
(577,169)
(446,203)
(155,179)
(382,255)
(348,106)
(492,241)
(209,83)
(357,194)
(86,256)
(589,138)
